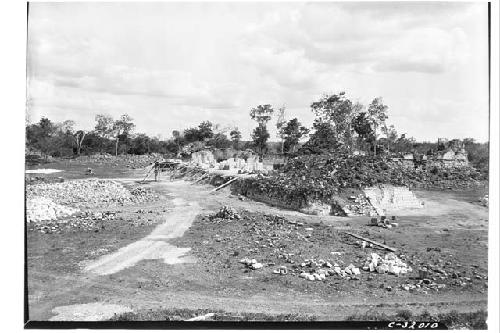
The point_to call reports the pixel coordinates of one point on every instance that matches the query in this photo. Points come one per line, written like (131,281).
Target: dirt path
(155,245)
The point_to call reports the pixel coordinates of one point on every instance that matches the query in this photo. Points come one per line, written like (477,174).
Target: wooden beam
(373,242)
(225,184)
(200,179)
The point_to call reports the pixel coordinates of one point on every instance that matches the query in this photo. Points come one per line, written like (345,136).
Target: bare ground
(137,273)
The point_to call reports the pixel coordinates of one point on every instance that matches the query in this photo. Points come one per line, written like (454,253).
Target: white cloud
(170,64)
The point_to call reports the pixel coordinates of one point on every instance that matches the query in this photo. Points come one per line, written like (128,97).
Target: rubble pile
(87,193)
(384,222)
(251,263)
(45,209)
(290,253)
(359,206)
(83,221)
(422,285)
(188,172)
(88,221)
(322,269)
(485,201)
(390,263)
(129,161)
(226,213)
(56,201)
(266,237)
(140,194)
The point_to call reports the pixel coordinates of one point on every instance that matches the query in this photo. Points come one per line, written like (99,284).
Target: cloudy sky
(172,65)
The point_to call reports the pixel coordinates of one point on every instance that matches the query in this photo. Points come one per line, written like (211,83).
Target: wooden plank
(203,177)
(225,184)
(147,174)
(373,242)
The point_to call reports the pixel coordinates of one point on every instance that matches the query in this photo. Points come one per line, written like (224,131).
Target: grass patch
(184,314)
(452,320)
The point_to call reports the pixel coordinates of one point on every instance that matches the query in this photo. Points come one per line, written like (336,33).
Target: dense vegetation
(323,177)
(340,127)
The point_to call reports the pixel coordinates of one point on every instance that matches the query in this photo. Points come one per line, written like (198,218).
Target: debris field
(282,252)
(75,205)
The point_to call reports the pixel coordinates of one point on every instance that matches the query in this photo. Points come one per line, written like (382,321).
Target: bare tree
(280,124)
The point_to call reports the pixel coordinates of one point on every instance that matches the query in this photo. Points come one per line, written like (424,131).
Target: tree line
(339,124)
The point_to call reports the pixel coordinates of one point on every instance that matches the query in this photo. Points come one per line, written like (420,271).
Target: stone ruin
(449,158)
(389,198)
(206,160)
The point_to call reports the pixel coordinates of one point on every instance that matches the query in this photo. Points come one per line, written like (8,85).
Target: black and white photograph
(262,165)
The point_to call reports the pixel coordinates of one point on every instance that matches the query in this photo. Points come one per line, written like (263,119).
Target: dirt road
(155,245)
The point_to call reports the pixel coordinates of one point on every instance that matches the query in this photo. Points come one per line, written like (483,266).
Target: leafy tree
(179,141)
(338,111)
(192,134)
(219,140)
(478,155)
(322,140)
(260,135)
(377,115)
(391,135)
(363,127)
(205,130)
(92,142)
(77,137)
(104,126)
(140,144)
(121,129)
(292,132)
(40,136)
(262,114)
(235,137)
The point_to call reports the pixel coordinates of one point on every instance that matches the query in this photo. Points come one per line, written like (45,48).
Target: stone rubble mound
(140,194)
(227,213)
(40,209)
(87,193)
(54,201)
(81,193)
(359,206)
(322,269)
(390,263)
(251,263)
